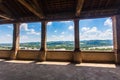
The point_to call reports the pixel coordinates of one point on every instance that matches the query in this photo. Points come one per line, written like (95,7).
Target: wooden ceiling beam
(84,15)
(108,1)
(79,7)
(5,17)
(30,8)
(0,1)
(36,3)
(6,11)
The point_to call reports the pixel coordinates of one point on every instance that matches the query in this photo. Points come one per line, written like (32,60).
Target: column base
(42,56)
(117,56)
(13,55)
(77,56)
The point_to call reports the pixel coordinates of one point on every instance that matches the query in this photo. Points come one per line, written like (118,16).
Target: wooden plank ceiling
(12,11)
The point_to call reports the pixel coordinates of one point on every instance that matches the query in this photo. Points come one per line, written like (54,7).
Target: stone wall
(87,56)
(98,57)
(5,54)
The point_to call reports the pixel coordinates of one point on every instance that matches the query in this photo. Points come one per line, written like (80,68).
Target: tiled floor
(29,70)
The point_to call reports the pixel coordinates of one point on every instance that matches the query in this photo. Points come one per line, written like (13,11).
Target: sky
(89,29)
(96,29)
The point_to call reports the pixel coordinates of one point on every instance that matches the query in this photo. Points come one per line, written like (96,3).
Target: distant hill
(31,44)
(5,44)
(96,43)
(68,45)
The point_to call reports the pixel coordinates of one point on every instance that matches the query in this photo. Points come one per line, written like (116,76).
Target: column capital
(45,22)
(76,19)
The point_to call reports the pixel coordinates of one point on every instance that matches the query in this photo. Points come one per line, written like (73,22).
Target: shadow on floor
(30,70)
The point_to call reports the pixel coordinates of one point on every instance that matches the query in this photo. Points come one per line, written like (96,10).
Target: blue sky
(30,32)
(60,31)
(6,31)
(96,29)
(90,29)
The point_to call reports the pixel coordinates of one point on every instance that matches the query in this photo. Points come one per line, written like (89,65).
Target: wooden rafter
(84,15)
(0,1)
(7,14)
(30,8)
(79,7)
(36,3)
(107,3)
(5,17)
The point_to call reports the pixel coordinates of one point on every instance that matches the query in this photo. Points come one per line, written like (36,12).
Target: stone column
(77,53)
(43,42)
(15,41)
(116,37)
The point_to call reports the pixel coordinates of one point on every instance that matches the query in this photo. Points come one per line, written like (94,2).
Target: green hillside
(66,45)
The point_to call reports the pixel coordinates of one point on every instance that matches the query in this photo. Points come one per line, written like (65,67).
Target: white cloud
(53,35)
(108,22)
(54,38)
(7,38)
(49,23)
(24,27)
(55,31)
(25,38)
(65,21)
(71,27)
(85,29)
(93,29)
(62,32)
(61,37)
(32,31)
(9,26)
(95,34)
(70,37)
(106,34)
(8,35)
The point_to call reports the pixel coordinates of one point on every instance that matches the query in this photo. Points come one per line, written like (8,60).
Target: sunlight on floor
(54,63)
(61,63)
(2,59)
(19,61)
(97,65)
